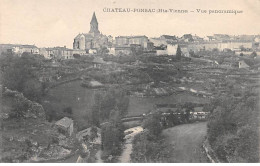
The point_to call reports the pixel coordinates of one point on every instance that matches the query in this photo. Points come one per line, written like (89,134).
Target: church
(92,40)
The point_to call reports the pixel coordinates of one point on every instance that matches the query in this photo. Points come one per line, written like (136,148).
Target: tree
(103,51)
(76,56)
(68,111)
(248,147)
(152,123)
(114,116)
(114,99)
(20,106)
(178,53)
(112,135)
(220,60)
(192,53)
(21,74)
(136,50)
(242,48)
(253,55)
(150,149)
(94,133)
(95,116)
(32,89)
(215,50)
(233,129)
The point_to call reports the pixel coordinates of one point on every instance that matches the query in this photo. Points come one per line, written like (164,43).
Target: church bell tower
(94,25)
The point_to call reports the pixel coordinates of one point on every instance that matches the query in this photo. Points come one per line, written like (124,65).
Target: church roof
(94,19)
(78,36)
(87,35)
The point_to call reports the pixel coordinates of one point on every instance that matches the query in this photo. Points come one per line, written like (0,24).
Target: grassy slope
(70,95)
(187,140)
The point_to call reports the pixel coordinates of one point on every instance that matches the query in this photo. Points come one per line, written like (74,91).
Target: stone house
(65,126)
(31,49)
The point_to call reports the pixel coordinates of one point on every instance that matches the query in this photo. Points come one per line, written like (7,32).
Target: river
(127,150)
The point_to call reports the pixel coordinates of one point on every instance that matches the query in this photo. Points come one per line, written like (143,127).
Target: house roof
(98,60)
(86,132)
(86,35)
(129,37)
(64,122)
(95,84)
(247,62)
(138,36)
(187,36)
(28,46)
(169,37)
(221,35)
(126,47)
(78,36)
(171,42)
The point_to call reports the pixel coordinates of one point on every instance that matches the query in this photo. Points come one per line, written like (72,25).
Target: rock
(35,143)
(11,138)
(4,116)
(34,149)
(21,139)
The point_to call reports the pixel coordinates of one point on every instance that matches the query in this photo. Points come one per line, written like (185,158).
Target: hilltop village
(94,42)
(126,99)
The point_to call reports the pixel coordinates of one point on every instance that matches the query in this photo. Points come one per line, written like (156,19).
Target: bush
(20,107)
(233,129)
(152,123)
(68,110)
(148,149)
(113,99)
(20,73)
(112,137)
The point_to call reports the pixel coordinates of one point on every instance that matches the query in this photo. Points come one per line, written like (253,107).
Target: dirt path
(187,140)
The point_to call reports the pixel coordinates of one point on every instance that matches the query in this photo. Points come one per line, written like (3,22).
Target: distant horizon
(53,23)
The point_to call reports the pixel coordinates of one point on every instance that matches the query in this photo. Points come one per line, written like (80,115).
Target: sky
(49,23)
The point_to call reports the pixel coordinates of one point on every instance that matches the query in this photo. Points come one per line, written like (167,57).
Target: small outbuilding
(65,126)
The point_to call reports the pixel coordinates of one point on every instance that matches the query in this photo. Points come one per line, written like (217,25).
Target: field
(81,100)
(186,141)
(70,95)
(138,106)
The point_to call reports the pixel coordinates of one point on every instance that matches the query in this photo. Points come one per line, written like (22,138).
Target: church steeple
(94,19)
(94,24)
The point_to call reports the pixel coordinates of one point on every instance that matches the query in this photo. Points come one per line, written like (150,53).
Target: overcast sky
(48,23)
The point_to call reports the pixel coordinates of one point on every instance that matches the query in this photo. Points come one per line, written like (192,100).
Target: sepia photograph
(129,81)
